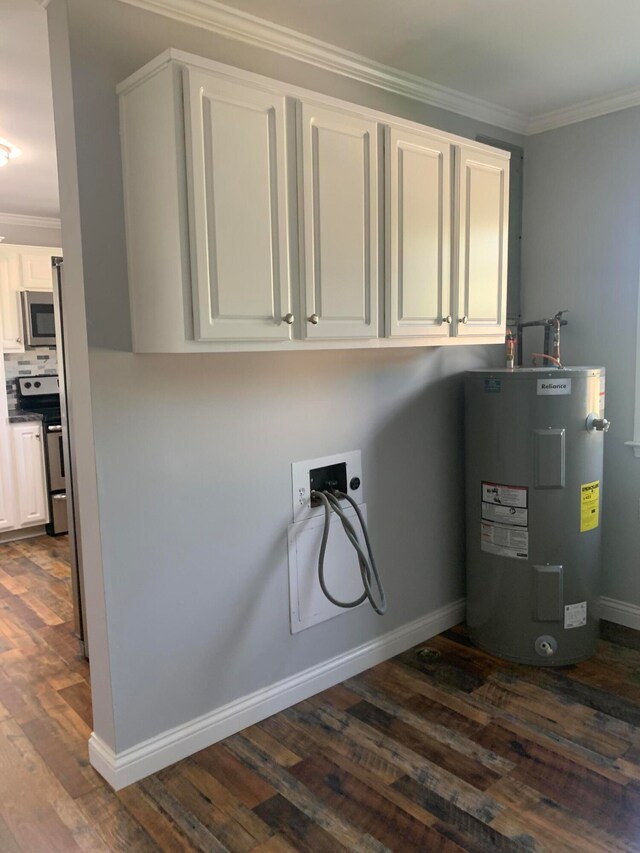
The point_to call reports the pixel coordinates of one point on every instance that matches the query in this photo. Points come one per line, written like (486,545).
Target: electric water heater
(534,442)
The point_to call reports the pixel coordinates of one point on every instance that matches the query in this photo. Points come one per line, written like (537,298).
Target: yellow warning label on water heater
(589,505)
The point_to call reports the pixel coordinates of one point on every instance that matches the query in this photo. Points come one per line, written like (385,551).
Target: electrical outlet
(346,468)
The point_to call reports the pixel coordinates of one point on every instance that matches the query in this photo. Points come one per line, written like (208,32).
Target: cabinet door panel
(339,162)
(419,239)
(484,207)
(29,474)
(35,269)
(7,503)
(238,209)
(10,303)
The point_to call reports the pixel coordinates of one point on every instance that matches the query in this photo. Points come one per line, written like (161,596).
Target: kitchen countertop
(18,417)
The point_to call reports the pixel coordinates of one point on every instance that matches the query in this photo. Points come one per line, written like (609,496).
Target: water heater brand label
(575,615)
(553,387)
(589,505)
(492,386)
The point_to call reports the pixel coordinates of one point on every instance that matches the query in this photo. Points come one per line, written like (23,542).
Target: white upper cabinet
(237,189)
(418,198)
(483,209)
(21,268)
(261,216)
(339,222)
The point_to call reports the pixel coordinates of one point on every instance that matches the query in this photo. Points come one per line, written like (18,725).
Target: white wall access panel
(418,194)
(483,205)
(308,603)
(339,208)
(236,176)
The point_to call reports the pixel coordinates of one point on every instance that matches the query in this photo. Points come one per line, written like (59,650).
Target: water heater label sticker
(575,615)
(553,387)
(510,515)
(492,386)
(504,541)
(501,495)
(589,506)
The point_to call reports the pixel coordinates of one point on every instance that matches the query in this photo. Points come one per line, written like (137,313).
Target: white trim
(258,32)
(29,221)
(121,769)
(620,612)
(584,110)
(635,443)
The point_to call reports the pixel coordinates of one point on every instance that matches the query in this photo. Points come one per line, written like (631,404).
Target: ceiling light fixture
(7,152)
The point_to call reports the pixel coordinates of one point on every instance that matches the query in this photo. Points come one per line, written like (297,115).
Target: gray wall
(27,235)
(582,252)
(193,453)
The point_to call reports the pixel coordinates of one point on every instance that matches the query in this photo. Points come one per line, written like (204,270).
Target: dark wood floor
(443,748)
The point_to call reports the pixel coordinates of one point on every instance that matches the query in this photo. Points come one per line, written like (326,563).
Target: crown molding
(29,221)
(585,110)
(234,24)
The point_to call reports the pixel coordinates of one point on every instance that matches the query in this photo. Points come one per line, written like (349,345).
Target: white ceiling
(529,56)
(28,184)
(525,57)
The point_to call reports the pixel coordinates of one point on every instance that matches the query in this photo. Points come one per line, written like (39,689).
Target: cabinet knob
(448,319)
(18,340)
(37,436)
(288,318)
(464,320)
(314,319)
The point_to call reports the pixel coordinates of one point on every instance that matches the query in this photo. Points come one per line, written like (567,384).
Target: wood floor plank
(444,748)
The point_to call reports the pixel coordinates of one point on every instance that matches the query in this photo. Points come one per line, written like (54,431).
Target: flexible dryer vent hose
(368,568)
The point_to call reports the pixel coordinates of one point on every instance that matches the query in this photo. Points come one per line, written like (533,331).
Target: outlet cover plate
(301,497)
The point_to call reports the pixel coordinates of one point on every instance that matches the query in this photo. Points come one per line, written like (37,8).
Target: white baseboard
(22,533)
(124,768)
(620,612)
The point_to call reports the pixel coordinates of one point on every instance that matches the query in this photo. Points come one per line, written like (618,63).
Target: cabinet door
(339,228)
(418,193)
(30,485)
(10,316)
(236,167)
(7,502)
(35,269)
(483,205)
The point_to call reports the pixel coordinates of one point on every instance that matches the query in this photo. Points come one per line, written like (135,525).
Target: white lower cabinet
(29,487)
(7,493)
(272,218)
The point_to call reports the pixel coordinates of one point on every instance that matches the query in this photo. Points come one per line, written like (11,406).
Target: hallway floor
(443,748)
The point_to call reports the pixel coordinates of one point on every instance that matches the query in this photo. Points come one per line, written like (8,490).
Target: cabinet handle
(314,319)
(288,318)
(448,319)
(464,320)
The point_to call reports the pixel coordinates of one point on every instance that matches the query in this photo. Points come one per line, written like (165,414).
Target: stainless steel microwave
(38,324)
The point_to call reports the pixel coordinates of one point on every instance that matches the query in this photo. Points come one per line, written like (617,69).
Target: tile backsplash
(40,362)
